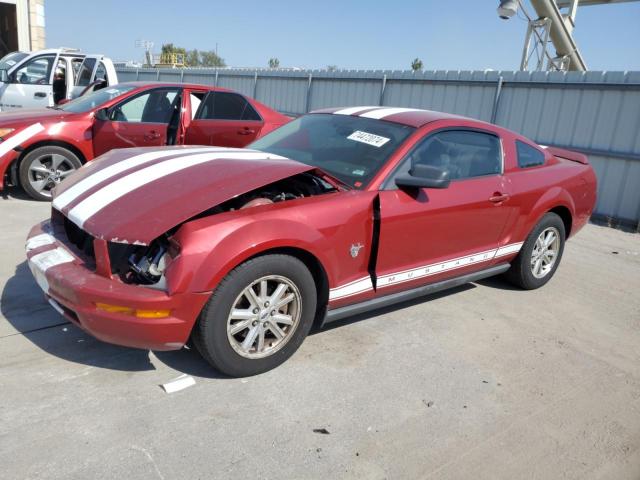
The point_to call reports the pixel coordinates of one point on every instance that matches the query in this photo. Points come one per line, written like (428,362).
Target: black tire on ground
(520,273)
(44,155)
(210,332)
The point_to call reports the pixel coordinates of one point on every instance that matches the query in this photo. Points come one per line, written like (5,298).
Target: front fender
(212,247)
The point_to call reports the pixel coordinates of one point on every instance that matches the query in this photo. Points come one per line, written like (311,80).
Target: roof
(153,83)
(413,117)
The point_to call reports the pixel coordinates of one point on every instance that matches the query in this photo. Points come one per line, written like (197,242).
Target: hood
(135,195)
(20,116)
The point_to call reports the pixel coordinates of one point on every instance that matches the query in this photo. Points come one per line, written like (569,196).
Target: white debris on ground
(177,384)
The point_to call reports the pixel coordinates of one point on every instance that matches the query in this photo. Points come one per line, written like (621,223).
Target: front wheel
(258,316)
(45,167)
(540,255)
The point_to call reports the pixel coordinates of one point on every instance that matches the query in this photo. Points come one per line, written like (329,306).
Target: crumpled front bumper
(74,289)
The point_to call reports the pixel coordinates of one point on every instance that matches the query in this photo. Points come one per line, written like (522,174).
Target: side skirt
(380,302)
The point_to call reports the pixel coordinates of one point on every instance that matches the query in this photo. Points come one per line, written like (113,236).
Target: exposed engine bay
(145,265)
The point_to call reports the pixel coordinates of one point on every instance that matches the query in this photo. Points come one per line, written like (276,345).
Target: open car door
(144,120)
(85,74)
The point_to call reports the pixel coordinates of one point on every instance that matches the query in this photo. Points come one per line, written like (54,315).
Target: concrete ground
(482,382)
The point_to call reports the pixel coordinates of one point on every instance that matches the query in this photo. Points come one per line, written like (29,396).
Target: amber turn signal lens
(159,313)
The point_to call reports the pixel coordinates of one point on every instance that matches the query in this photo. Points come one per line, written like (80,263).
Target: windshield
(352,149)
(11,59)
(90,101)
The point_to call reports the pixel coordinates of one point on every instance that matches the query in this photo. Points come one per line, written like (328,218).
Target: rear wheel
(258,316)
(44,168)
(540,255)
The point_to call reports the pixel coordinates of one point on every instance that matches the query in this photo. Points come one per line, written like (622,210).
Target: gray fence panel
(288,95)
(597,112)
(351,89)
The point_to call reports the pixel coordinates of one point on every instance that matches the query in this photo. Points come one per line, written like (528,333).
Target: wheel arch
(565,214)
(556,200)
(50,143)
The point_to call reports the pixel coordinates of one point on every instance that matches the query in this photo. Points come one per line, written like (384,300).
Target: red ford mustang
(39,148)
(338,212)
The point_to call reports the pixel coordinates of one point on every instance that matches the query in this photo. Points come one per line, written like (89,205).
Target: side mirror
(424,176)
(4,76)
(102,114)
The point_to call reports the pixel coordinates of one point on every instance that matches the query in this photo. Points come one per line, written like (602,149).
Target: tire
(524,272)
(45,167)
(232,345)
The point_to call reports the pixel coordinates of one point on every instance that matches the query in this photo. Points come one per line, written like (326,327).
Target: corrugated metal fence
(597,113)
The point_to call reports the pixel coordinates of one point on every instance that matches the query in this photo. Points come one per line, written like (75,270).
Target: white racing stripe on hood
(352,110)
(119,188)
(385,112)
(22,136)
(69,195)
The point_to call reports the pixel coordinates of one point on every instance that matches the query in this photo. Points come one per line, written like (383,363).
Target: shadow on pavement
(15,193)
(23,305)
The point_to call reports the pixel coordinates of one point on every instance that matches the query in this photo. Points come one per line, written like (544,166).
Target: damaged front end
(146,265)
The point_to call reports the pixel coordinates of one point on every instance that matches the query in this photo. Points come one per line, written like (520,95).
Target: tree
(274,62)
(211,59)
(416,65)
(193,58)
(332,68)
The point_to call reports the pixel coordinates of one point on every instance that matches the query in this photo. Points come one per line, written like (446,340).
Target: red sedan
(337,212)
(39,148)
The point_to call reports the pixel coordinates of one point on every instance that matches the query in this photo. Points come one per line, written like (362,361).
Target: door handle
(498,197)
(246,131)
(40,94)
(153,135)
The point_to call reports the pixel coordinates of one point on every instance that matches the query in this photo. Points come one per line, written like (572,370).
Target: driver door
(85,74)
(31,84)
(428,234)
(138,121)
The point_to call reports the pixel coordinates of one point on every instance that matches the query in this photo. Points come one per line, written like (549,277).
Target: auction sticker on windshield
(368,138)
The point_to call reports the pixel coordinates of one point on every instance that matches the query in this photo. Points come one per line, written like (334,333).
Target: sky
(351,34)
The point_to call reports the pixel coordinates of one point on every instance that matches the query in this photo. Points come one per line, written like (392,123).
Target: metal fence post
(496,99)
(158,75)
(255,85)
(307,101)
(137,74)
(182,76)
(384,86)
(215,81)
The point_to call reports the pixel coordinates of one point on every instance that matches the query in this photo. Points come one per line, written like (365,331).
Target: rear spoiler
(567,154)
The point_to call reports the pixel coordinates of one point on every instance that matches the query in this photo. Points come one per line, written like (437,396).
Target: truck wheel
(44,168)
(540,255)
(258,316)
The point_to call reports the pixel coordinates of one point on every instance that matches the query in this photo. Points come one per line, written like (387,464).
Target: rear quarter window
(528,156)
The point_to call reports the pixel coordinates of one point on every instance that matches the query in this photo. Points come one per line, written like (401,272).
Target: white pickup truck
(48,77)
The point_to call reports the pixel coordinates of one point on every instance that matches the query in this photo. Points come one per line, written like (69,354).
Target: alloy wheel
(46,171)
(545,252)
(264,316)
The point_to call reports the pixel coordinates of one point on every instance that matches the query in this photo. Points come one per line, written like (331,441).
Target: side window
(150,107)
(196,99)
(101,72)
(86,69)
(528,156)
(36,71)
(226,106)
(463,153)
(76,63)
